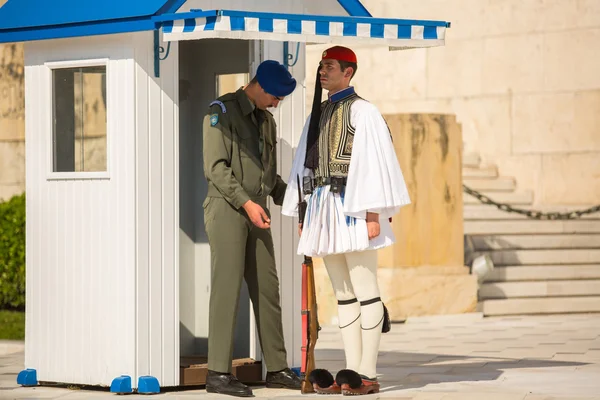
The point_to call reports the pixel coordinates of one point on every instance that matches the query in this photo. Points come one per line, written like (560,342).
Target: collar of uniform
(245,103)
(342,94)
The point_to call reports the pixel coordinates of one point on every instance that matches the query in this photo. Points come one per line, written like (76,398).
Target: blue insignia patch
(220,104)
(214,119)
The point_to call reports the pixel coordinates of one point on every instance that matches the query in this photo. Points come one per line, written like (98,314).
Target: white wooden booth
(118,265)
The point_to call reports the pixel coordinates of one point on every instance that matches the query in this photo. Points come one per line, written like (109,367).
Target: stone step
(487,212)
(507,290)
(530,227)
(489,172)
(549,305)
(501,184)
(543,273)
(559,241)
(544,256)
(471,160)
(513,198)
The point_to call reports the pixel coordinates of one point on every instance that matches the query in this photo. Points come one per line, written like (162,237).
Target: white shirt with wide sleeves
(336,223)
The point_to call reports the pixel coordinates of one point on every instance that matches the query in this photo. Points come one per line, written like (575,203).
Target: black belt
(337,183)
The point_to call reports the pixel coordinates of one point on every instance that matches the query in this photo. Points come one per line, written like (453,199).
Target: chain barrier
(531,213)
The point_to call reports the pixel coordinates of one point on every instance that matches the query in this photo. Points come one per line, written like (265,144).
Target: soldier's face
(267,100)
(331,76)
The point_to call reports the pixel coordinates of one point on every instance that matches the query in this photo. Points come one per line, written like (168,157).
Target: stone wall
(522,77)
(12,121)
(423,272)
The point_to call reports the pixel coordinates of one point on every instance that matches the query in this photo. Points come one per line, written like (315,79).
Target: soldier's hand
(373,225)
(257,215)
(299,229)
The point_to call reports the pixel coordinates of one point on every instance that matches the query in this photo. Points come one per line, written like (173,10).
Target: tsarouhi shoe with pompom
(323,382)
(354,384)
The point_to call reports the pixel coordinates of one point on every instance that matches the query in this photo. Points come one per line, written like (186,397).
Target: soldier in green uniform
(240,164)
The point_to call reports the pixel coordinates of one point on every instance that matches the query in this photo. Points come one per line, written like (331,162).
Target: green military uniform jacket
(240,161)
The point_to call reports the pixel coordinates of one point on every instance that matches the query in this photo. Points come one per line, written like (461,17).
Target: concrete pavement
(465,357)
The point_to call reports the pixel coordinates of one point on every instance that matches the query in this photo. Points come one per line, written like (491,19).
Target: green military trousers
(241,250)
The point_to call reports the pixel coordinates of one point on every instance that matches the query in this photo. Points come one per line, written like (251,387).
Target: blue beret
(275,79)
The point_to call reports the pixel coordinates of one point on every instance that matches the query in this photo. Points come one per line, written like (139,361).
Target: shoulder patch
(214,119)
(220,103)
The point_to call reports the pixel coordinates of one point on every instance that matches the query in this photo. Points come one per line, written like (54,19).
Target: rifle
(310,323)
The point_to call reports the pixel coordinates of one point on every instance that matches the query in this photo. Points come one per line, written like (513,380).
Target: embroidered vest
(336,135)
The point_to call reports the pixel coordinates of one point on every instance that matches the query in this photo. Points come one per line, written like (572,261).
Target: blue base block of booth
(121,385)
(27,377)
(148,384)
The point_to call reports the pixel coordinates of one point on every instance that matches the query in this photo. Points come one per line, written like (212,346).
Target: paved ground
(436,358)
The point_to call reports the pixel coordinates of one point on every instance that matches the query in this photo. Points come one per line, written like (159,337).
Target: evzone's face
(331,76)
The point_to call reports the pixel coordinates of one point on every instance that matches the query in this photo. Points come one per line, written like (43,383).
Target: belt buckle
(336,185)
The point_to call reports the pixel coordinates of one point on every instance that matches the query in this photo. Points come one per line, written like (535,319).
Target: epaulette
(220,103)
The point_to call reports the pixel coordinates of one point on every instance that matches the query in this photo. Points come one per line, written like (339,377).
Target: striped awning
(396,33)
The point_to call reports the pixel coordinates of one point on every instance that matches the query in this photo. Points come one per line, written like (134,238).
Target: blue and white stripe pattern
(303,28)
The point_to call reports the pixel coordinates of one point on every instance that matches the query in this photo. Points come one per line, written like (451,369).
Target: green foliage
(12,253)
(12,325)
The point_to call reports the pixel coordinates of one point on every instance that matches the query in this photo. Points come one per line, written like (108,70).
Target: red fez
(340,53)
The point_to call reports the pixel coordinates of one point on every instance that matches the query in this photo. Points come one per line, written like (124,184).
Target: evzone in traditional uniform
(353,185)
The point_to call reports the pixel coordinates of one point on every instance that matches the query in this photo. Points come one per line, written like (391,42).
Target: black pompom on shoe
(349,377)
(321,377)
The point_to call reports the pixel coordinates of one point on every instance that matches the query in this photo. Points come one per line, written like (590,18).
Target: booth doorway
(208,68)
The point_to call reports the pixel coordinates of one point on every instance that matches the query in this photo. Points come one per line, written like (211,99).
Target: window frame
(81,175)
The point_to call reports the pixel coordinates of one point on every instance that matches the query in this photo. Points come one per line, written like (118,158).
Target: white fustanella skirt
(328,231)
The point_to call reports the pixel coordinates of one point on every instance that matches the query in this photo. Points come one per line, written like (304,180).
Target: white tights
(360,311)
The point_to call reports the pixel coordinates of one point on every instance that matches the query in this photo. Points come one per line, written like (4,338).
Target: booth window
(227,83)
(79,119)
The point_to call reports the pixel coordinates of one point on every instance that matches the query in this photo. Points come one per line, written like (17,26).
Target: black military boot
(283,379)
(218,382)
